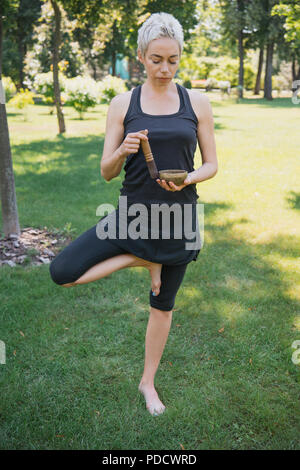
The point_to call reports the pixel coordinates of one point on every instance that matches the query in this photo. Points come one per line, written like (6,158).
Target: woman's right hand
(131,143)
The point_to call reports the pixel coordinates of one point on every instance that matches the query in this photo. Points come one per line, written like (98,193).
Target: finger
(166,185)
(173,185)
(142,136)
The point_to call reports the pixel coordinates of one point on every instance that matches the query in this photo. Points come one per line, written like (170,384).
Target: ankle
(146,383)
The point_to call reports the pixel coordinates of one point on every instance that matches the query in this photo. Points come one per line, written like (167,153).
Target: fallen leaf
(178,324)
(170,363)
(221,330)
(181,446)
(21,332)
(60,435)
(14,353)
(250,360)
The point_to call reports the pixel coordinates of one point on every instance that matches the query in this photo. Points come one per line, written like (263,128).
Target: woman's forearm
(112,166)
(205,172)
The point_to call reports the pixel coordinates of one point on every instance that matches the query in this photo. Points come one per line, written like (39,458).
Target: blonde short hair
(159,25)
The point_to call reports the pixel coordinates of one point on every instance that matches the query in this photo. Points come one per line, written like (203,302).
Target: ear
(139,56)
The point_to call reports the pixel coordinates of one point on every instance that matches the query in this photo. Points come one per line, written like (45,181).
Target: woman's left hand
(170,186)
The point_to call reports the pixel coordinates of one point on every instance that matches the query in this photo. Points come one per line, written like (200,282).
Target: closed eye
(173,63)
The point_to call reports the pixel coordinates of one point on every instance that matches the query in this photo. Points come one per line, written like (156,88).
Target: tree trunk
(241,68)
(7,183)
(55,60)
(295,75)
(268,72)
(259,70)
(113,64)
(21,49)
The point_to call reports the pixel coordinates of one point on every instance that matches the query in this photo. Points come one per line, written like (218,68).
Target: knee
(59,273)
(161,302)
(162,311)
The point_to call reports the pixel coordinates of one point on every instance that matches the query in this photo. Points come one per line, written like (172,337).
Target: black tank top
(173,141)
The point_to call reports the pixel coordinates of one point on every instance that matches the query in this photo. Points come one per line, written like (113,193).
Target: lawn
(75,356)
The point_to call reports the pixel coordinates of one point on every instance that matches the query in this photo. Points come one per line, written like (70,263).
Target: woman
(172,118)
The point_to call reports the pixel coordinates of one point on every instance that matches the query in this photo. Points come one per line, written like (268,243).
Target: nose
(164,67)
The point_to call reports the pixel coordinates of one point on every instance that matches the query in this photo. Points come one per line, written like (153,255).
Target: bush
(109,87)
(187,84)
(188,69)
(9,88)
(279,83)
(249,77)
(82,93)
(22,99)
(43,84)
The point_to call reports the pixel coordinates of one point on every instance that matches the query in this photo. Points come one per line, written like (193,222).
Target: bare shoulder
(200,103)
(120,103)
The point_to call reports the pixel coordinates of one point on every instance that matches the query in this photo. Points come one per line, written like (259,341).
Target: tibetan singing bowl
(177,176)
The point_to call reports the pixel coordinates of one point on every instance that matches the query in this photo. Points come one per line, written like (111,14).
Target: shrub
(22,99)
(109,87)
(43,84)
(279,83)
(82,93)
(9,88)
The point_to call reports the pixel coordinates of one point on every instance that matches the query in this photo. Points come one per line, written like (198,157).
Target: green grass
(71,381)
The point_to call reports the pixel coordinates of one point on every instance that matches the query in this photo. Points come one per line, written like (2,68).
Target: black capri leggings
(87,250)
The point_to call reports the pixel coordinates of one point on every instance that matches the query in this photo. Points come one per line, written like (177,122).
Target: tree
(290,10)
(234,26)
(55,57)
(7,183)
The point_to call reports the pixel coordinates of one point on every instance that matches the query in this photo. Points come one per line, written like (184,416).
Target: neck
(159,88)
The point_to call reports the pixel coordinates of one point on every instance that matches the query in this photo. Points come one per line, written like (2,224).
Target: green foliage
(249,77)
(9,88)
(110,87)
(81,93)
(291,12)
(188,68)
(22,99)
(279,83)
(43,85)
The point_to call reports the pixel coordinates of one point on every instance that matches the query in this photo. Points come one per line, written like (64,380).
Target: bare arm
(112,157)
(115,148)
(206,140)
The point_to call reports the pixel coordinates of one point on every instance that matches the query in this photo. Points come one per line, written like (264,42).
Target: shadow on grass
(275,103)
(294,200)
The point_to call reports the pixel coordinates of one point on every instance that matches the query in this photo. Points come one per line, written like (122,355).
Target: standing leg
(156,337)
(158,328)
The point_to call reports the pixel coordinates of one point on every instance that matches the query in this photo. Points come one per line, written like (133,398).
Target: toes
(155,411)
(156,288)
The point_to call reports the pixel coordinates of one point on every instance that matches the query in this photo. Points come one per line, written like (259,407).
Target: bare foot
(154,270)
(153,403)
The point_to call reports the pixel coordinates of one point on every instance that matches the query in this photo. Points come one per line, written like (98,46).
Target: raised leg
(108,266)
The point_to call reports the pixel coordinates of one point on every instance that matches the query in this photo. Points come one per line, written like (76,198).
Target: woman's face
(161,60)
